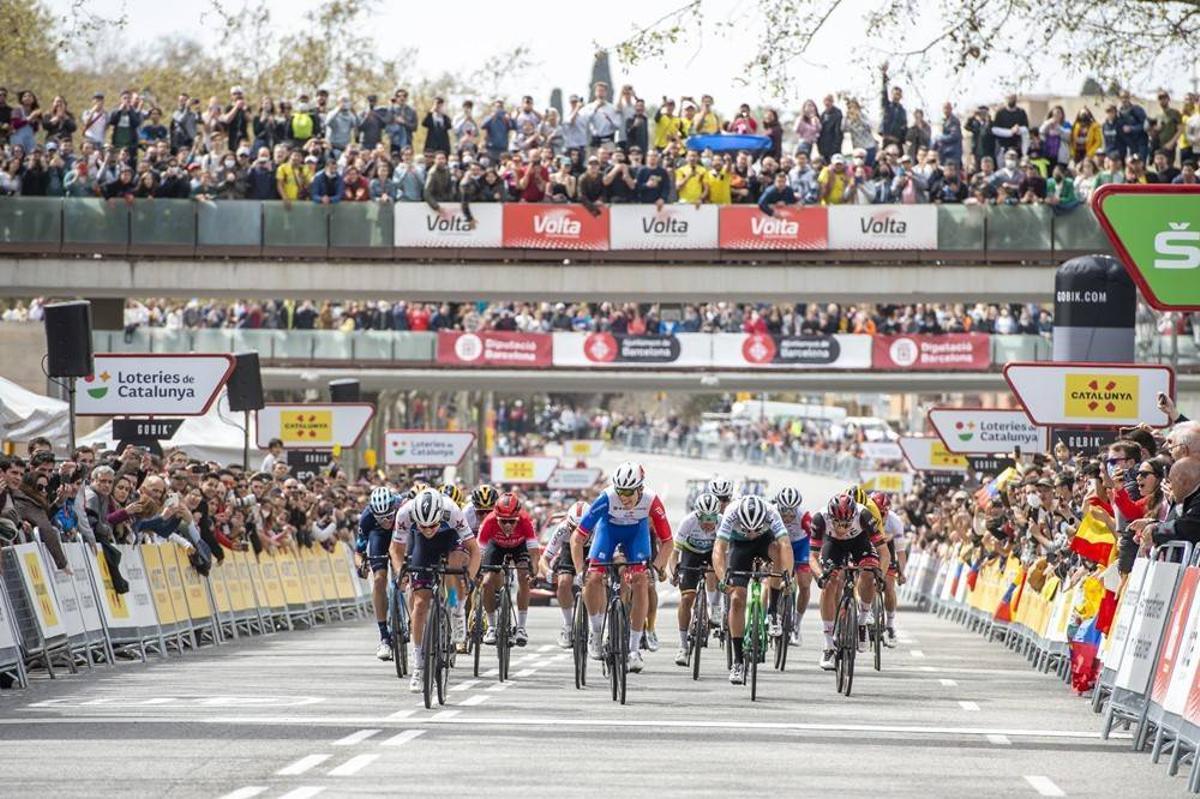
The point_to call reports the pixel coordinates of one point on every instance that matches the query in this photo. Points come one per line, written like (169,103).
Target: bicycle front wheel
(877,630)
(477,624)
(504,633)
(787,605)
(699,631)
(445,654)
(429,665)
(579,642)
(394,627)
(847,641)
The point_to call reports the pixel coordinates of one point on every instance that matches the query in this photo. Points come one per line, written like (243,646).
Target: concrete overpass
(562,279)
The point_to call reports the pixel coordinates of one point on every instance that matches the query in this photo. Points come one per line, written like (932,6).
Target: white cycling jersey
(894,529)
(691,536)
(452,518)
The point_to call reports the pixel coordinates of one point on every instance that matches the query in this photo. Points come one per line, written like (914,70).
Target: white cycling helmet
(427,508)
(752,513)
(722,487)
(383,501)
(788,498)
(576,512)
(707,504)
(628,476)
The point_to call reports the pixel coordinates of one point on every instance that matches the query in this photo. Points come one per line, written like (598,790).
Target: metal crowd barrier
(834,464)
(52,618)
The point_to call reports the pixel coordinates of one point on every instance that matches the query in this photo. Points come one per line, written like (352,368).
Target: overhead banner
(987,431)
(607,349)
(1091,394)
(148,384)
(881,450)
(313,426)
(418,225)
(679,226)
(929,454)
(535,469)
(745,227)
(554,227)
(883,227)
(573,479)
(937,353)
(741,350)
(494,348)
(891,482)
(582,449)
(426,447)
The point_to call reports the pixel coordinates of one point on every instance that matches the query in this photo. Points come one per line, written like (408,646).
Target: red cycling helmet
(882,500)
(508,506)
(842,508)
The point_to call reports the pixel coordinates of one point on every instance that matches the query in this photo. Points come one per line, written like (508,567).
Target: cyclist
(455,493)
(694,539)
(787,501)
(622,517)
(371,549)
(483,499)
(507,532)
(845,530)
(722,488)
(556,561)
(897,545)
(749,529)
(440,531)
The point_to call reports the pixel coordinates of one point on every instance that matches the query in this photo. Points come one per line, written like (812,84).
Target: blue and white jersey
(608,507)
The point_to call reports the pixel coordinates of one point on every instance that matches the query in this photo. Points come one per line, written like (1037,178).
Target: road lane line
(302,765)
(967,704)
(445,715)
(917,653)
(525,673)
(246,793)
(999,740)
(546,647)
(500,686)
(303,792)
(401,714)
(403,738)
(477,699)
(353,765)
(465,685)
(491,673)
(1043,785)
(948,683)
(355,738)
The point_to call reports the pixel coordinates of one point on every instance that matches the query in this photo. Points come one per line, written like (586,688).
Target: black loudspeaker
(344,390)
(245,384)
(69,339)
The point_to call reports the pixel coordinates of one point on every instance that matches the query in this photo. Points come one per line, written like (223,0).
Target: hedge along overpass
(94,248)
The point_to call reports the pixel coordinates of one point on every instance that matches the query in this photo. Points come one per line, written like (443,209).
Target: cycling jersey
(691,537)
(474,517)
(372,540)
(559,542)
(628,529)
(863,522)
(490,532)
(875,514)
(452,520)
(798,529)
(731,529)
(894,529)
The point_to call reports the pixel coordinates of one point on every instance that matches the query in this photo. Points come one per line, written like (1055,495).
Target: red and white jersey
(490,532)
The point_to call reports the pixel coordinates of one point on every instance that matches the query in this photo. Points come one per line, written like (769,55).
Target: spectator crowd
(599,150)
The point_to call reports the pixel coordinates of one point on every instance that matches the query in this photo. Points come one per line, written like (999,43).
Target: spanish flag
(1094,541)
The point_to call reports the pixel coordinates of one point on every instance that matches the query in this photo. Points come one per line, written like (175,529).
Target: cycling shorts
(800,552)
(838,551)
(563,564)
(741,557)
(690,580)
(429,552)
(633,540)
(494,554)
(378,542)
(893,564)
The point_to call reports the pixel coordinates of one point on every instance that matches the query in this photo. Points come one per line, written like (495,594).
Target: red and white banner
(673,227)
(740,350)
(606,349)
(554,227)
(418,225)
(745,227)
(883,227)
(934,353)
(426,447)
(494,348)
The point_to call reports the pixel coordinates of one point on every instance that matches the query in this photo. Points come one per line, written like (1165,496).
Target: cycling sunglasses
(625,492)
(709,517)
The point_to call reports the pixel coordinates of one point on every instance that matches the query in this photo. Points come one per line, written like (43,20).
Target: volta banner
(418,225)
(554,227)
(883,227)
(971,351)
(573,479)
(984,431)
(881,450)
(929,454)
(1091,394)
(672,227)
(313,426)
(426,447)
(739,350)
(745,227)
(141,383)
(577,449)
(494,348)
(610,350)
(534,469)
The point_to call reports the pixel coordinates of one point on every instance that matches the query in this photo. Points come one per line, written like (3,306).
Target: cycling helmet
(788,498)
(508,506)
(454,492)
(576,512)
(842,508)
(722,487)
(484,497)
(707,504)
(417,488)
(629,476)
(427,508)
(383,501)
(752,513)
(882,500)
(857,494)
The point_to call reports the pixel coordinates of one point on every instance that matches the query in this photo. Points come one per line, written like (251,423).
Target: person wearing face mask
(1011,127)
(340,125)
(1008,175)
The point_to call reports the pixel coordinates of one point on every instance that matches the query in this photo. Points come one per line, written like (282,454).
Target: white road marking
(465,685)
(477,699)
(948,683)
(47,703)
(967,704)
(500,686)
(1044,785)
(999,740)
(355,738)
(158,700)
(524,672)
(546,647)
(302,765)
(401,714)
(246,793)
(445,715)
(102,701)
(303,792)
(353,765)
(403,738)
(491,673)
(917,653)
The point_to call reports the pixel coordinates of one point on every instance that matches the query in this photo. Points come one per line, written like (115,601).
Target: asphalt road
(313,713)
